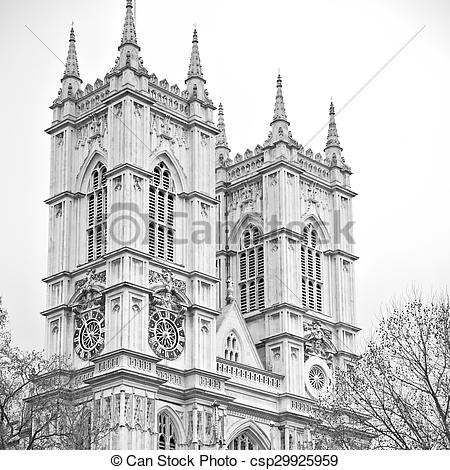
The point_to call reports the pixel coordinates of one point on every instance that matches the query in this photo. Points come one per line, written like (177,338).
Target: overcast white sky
(395,133)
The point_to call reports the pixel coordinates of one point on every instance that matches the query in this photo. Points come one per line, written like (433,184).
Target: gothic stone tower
(141,292)
(286,240)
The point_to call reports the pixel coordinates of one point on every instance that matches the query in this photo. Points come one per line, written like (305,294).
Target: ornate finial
(129,30)
(71,69)
(221,139)
(332,137)
(279,111)
(195,68)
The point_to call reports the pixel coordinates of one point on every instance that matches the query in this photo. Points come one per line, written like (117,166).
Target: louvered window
(261,261)
(304,293)
(251,270)
(319,297)
(303,260)
(261,293)
(161,208)
(251,263)
(311,295)
(311,270)
(97,212)
(243,266)
(244,298)
(252,296)
(318,267)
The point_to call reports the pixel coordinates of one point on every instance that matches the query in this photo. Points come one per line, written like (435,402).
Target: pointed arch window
(232,350)
(97,211)
(311,270)
(161,204)
(251,270)
(167,435)
(243,442)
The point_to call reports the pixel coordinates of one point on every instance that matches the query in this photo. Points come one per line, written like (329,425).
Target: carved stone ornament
(167,308)
(155,278)
(318,342)
(92,278)
(230,298)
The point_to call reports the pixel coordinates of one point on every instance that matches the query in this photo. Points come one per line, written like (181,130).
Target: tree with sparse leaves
(398,392)
(37,406)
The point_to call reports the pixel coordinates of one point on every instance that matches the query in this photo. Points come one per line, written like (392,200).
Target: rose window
(317,378)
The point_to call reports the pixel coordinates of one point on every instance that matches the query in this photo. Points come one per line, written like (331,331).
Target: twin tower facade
(204,300)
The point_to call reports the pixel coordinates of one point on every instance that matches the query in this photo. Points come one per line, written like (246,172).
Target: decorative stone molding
(166,276)
(91,278)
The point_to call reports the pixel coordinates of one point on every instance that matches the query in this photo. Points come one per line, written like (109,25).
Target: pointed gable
(231,321)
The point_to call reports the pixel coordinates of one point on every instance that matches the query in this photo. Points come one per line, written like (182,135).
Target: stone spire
(221,139)
(129,30)
(195,68)
(71,69)
(129,49)
(195,81)
(333,147)
(279,113)
(332,137)
(222,149)
(280,124)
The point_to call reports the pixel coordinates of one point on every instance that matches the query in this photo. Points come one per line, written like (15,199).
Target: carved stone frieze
(245,197)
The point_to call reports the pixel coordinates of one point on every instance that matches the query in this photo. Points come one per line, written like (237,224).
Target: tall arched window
(251,270)
(311,270)
(97,207)
(161,213)
(167,436)
(232,350)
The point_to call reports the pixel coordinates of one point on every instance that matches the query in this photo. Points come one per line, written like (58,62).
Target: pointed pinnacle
(129,30)
(71,69)
(221,139)
(195,68)
(332,137)
(279,111)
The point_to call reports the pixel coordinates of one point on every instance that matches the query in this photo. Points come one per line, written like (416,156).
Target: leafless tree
(38,406)
(399,390)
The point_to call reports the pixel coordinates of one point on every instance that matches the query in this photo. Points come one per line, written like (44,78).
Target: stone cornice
(128,166)
(342,352)
(64,194)
(57,309)
(124,377)
(203,309)
(129,352)
(194,121)
(348,326)
(56,276)
(126,284)
(281,336)
(343,253)
(283,231)
(272,165)
(199,195)
(347,191)
(57,126)
(253,411)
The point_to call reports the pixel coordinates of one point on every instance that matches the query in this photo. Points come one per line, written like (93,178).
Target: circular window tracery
(317,377)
